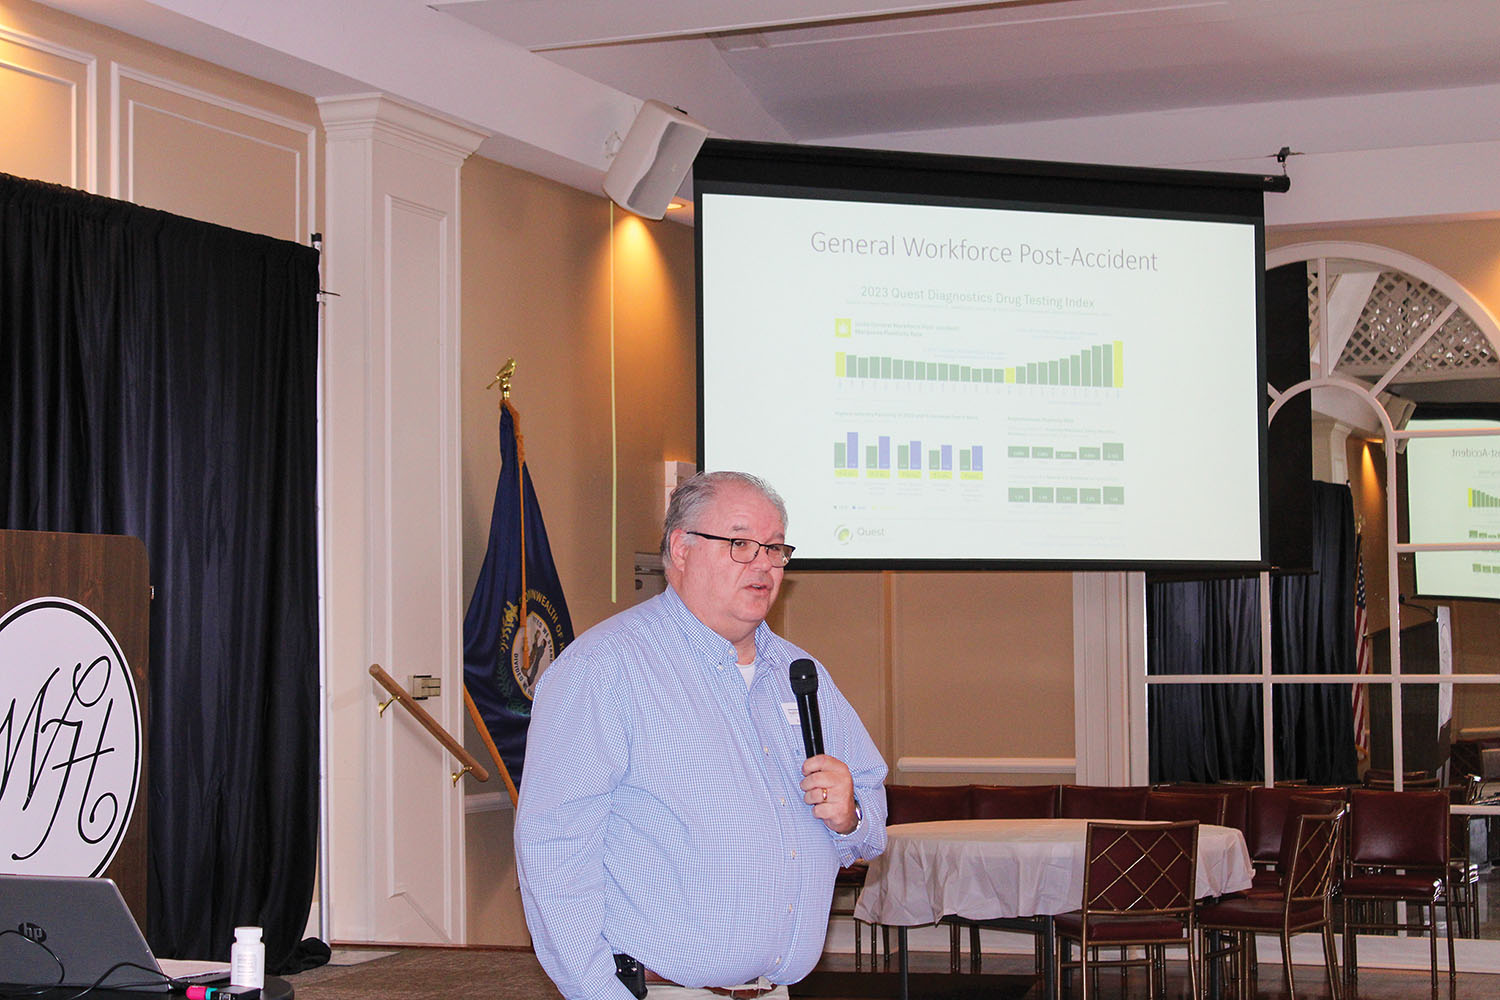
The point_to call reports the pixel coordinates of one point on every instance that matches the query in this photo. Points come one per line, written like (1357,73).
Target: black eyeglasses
(744,550)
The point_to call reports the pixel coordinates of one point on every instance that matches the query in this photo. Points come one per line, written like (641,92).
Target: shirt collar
(717,648)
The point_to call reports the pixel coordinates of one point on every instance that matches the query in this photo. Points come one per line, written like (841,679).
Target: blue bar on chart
(880,467)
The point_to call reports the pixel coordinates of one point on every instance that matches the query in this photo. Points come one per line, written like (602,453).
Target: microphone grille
(804,676)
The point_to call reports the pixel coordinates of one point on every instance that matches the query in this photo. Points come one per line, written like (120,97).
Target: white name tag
(792,718)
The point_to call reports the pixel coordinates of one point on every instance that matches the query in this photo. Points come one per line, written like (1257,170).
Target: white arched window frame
(1325,377)
(1474,955)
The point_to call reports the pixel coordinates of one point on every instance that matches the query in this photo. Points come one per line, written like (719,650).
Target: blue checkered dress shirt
(660,815)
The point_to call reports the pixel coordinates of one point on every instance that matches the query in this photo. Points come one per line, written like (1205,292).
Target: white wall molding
(399,124)
(306,151)
(537,115)
(987,765)
(83,125)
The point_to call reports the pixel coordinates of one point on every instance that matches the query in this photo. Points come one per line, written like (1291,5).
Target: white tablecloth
(984,869)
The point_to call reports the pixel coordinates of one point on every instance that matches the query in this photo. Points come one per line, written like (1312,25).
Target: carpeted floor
(423,973)
(430,974)
(433,973)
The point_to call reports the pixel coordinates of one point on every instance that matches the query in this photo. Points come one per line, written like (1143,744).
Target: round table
(987,869)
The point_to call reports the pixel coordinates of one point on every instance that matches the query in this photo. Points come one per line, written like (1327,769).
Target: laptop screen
(69,931)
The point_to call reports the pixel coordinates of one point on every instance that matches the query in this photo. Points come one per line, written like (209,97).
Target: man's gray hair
(692,495)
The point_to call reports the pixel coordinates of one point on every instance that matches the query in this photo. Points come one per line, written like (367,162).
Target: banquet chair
(1397,853)
(1005,802)
(1236,798)
(1013,802)
(1266,824)
(1103,801)
(1304,904)
(1170,806)
(1463,872)
(1139,883)
(925,803)
(847,884)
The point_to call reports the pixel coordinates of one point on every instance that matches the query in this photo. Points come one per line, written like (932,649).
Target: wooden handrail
(398,693)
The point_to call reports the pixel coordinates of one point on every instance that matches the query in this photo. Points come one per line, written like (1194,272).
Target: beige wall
(536,287)
(91,108)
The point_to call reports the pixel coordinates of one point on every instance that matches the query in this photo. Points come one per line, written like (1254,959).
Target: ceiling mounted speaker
(653,160)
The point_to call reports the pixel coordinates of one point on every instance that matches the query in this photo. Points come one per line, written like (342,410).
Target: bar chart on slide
(1480,498)
(883,456)
(1100,366)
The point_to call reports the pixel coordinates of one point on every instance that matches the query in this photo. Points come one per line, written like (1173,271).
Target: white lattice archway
(1391,318)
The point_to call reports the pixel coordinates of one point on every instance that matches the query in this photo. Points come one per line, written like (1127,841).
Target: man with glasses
(670,837)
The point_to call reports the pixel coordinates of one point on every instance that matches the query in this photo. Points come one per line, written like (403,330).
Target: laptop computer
(59,930)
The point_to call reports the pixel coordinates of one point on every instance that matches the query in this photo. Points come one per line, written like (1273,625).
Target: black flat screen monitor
(950,362)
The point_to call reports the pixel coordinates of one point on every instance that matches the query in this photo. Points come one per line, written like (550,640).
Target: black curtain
(1204,732)
(1213,732)
(1312,632)
(158,379)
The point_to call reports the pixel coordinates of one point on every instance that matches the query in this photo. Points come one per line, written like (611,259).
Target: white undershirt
(747,670)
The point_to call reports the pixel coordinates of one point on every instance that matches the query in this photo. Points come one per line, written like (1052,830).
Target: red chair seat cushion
(1260,913)
(1121,929)
(1388,885)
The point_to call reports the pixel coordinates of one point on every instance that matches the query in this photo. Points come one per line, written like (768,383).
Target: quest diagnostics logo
(843,534)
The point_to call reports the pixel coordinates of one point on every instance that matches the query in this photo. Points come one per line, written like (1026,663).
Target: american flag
(1361,659)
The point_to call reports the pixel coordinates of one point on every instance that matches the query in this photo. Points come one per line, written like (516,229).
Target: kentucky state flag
(517,621)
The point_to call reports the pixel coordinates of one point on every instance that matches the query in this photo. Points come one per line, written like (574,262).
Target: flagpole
(503,377)
(515,423)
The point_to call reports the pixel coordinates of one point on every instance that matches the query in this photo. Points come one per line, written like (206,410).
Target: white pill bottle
(247,959)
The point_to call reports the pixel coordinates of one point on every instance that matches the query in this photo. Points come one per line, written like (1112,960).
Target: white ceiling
(551,80)
(823,69)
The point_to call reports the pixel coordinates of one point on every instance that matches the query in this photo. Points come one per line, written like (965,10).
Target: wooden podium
(106,578)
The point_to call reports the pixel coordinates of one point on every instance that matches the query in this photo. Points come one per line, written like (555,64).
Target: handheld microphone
(804,677)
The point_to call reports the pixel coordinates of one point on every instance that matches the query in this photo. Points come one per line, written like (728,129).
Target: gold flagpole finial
(503,376)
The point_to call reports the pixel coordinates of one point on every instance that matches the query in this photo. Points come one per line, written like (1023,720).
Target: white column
(393,860)
(1109,655)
